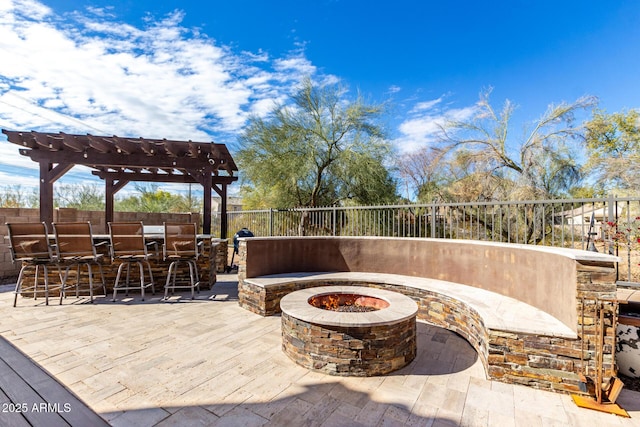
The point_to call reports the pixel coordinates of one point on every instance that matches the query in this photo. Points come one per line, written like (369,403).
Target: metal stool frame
(75,248)
(181,247)
(29,245)
(128,246)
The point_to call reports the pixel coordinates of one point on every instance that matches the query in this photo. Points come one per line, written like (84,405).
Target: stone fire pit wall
(554,280)
(349,344)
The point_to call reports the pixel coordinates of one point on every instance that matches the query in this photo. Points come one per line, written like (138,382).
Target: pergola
(120,160)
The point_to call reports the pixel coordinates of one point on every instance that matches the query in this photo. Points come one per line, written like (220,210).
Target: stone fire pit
(349,330)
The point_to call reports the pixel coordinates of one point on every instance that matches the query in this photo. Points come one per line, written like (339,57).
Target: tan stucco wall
(545,278)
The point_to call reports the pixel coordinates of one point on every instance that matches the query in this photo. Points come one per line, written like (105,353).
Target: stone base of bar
(212,260)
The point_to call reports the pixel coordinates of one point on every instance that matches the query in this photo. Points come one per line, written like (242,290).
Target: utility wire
(65,116)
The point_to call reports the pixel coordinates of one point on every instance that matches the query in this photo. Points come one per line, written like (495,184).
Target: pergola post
(223,212)
(206,214)
(111,187)
(108,203)
(46,194)
(48,175)
(222,192)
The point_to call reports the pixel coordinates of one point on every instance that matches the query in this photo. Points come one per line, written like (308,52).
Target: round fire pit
(348,303)
(349,330)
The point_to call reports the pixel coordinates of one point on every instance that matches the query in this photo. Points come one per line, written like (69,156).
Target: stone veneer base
(349,344)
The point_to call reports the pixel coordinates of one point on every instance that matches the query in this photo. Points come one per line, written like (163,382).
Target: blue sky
(196,70)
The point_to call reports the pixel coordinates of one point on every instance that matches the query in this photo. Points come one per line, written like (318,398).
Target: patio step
(31,396)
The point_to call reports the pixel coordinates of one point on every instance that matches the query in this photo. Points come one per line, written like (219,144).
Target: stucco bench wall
(544,360)
(496,311)
(543,277)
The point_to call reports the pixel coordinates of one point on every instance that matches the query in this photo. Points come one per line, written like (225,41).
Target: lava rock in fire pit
(353,308)
(348,303)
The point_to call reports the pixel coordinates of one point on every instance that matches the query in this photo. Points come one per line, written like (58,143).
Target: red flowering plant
(623,234)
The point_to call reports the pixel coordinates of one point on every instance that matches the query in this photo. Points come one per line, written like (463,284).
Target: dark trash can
(244,232)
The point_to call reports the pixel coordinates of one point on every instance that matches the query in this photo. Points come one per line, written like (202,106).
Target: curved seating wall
(516,305)
(540,276)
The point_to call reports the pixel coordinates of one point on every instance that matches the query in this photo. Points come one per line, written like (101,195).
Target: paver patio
(209,362)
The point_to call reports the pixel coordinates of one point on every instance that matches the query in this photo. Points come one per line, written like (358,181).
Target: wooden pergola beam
(113,160)
(161,177)
(120,160)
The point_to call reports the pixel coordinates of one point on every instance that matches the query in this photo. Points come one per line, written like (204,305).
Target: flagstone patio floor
(209,362)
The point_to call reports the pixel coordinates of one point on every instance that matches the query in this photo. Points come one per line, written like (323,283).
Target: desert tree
(17,196)
(149,198)
(539,162)
(425,173)
(613,147)
(483,159)
(318,149)
(80,196)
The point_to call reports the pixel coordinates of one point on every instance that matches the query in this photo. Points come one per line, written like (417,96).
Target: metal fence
(609,225)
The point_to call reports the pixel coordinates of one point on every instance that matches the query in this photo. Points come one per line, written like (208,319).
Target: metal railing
(610,225)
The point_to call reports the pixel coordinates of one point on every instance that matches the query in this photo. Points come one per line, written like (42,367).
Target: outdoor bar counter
(212,260)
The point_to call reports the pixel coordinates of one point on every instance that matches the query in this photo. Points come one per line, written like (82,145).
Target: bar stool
(29,245)
(128,247)
(181,247)
(75,247)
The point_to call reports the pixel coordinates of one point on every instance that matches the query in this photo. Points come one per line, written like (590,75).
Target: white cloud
(426,105)
(394,89)
(10,151)
(295,65)
(424,124)
(88,72)
(27,8)
(26,181)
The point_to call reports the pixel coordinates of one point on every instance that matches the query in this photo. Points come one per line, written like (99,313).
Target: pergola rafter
(120,160)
